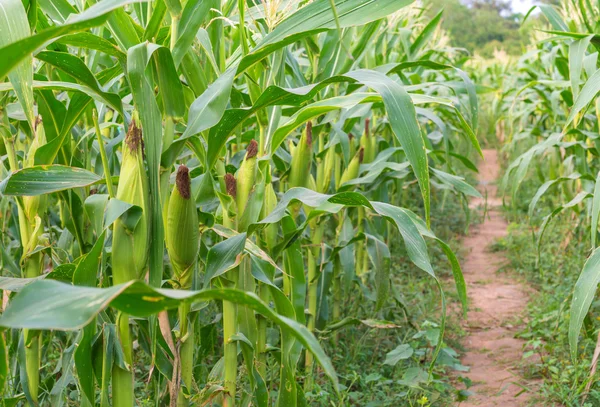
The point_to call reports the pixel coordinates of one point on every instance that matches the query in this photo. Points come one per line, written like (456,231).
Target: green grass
(546,325)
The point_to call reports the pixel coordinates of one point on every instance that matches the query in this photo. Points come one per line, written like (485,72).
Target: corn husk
(229,219)
(301,159)
(246,177)
(182,233)
(325,170)
(130,244)
(368,143)
(353,168)
(270,202)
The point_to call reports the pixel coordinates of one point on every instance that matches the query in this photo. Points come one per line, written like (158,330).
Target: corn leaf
(53,305)
(39,180)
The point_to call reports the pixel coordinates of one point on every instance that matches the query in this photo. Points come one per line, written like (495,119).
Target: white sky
(522,6)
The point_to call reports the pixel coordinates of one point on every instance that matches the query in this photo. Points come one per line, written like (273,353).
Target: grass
(360,353)
(276,179)
(545,328)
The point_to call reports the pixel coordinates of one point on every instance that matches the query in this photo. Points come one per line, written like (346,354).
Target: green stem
(261,343)
(174,30)
(313,282)
(32,363)
(32,346)
(104,393)
(337,292)
(31,269)
(186,353)
(230,352)
(122,380)
(360,247)
(109,185)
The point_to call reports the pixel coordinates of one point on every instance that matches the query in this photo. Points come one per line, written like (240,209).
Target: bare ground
(497,302)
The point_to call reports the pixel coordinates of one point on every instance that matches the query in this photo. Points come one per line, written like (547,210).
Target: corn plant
(169,163)
(550,117)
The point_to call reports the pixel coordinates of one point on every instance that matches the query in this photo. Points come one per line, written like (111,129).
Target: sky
(522,6)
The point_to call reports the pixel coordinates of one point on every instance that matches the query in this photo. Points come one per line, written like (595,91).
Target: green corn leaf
(318,17)
(457,183)
(583,295)
(58,10)
(15,27)
(193,16)
(18,51)
(587,94)
(143,96)
(327,204)
(595,212)
(39,180)
(77,69)
(380,256)
(545,187)
(112,99)
(65,307)
(224,256)
(426,34)
(311,19)
(576,54)
(4,361)
(554,17)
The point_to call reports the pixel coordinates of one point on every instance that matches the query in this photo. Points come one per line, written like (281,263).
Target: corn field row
(545,110)
(167,163)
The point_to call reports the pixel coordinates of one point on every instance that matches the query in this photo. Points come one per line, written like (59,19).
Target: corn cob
(129,250)
(246,177)
(182,234)
(270,202)
(353,168)
(182,238)
(301,159)
(369,143)
(324,171)
(130,247)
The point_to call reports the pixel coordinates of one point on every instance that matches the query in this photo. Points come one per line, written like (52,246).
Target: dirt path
(496,303)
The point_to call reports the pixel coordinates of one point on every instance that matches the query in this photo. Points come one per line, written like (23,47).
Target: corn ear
(270,232)
(229,219)
(130,247)
(301,159)
(246,177)
(352,142)
(325,171)
(353,168)
(182,234)
(368,143)
(373,139)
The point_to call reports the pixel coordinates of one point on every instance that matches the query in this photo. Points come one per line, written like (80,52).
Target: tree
(481,25)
